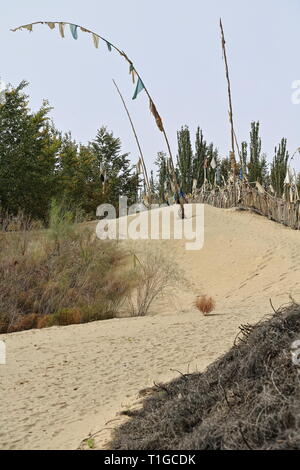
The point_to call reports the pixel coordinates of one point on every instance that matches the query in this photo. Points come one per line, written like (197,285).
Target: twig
(275,311)
(137,141)
(183,375)
(159,386)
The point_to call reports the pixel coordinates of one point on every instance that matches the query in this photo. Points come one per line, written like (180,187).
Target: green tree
(28,156)
(257,167)
(185,159)
(163,178)
(244,154)
(199,158)
(112,171)
(212,154)
(279,167)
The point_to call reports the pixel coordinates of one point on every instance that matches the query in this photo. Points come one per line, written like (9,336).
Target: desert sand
(64,383)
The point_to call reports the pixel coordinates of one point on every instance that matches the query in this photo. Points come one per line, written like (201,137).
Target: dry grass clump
(205,304)
(153,276)
(247,399)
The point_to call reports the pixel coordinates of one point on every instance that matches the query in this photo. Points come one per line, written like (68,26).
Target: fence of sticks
(243,196)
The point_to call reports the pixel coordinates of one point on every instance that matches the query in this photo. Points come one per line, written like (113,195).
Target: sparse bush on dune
(205,304)
(153,276)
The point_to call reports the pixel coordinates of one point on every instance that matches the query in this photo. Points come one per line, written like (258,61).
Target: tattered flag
(139,87)
(108,45)
(287,179)
(73,29)
(157,116)
(213,163)
(61,27)
(96,40)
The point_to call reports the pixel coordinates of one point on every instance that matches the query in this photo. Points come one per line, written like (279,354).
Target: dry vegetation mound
(247,399)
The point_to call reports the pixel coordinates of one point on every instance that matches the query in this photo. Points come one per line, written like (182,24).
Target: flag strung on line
(287,179)
(73,29)
(139,87)
(156,116)
(132,72)
(96,40)
(61,27)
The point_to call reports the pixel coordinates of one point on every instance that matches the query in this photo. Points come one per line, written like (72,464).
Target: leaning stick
(229,92)
(137,141)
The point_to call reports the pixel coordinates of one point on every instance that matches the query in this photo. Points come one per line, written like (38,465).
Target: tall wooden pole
(232,153)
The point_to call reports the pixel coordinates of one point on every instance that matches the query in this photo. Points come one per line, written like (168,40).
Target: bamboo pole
(146,179)
(123,54)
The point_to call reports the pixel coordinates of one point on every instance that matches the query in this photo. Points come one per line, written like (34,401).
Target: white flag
(213,163)
(287,177)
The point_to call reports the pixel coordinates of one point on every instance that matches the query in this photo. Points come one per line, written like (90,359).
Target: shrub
(65,275)
(205,304)
(154,274)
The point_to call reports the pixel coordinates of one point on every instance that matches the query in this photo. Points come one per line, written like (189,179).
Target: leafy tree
(244,154)
(28,155)
(163,183)
(212,154)
(225,168)
(185,159)
(112,171)
(257,167)
(279,167)
(199,158)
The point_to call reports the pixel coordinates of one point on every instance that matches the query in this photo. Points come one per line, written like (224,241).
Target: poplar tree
(279,167)
(185,159)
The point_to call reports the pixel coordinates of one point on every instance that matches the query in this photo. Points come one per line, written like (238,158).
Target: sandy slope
(60,384)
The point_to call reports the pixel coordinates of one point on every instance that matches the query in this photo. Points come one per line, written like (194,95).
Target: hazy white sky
(175,46)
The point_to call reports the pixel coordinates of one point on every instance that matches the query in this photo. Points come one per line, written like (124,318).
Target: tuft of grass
(205,304)
(153,275)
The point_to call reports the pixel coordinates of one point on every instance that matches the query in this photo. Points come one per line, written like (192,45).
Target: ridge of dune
(62,383)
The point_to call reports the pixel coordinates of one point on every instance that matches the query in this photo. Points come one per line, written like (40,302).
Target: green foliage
(38,163)
(65,275)
(199,158)
(163,183)
(244,154)
(112,170)
(185,159)
(257,167)
(28,153)
(279,167)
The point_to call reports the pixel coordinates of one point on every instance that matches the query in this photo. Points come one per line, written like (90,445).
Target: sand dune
(60,384)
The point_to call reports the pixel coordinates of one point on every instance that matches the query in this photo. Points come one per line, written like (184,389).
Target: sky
(175,46)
